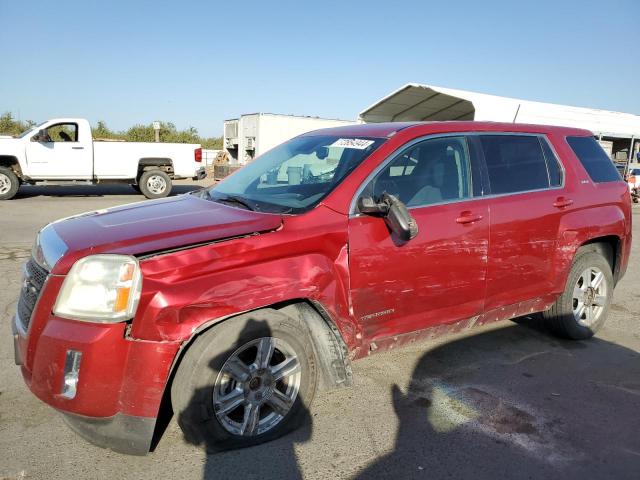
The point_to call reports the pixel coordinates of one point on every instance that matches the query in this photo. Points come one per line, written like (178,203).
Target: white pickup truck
(62,151)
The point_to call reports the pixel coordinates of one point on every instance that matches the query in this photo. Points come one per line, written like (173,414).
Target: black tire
(193,387)
(147,181)
(9,183)
(560,317)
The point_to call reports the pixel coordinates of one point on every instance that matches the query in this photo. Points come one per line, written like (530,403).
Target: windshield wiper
(235,200)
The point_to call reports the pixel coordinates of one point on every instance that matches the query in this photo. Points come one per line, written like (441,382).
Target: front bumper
(121,381)
(120,433)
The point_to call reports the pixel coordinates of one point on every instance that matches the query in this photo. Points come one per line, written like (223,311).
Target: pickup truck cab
(62,151)
(237,302)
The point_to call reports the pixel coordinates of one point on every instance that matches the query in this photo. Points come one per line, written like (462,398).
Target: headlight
(101,288)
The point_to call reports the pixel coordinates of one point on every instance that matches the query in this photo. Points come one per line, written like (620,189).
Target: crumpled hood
(155,225)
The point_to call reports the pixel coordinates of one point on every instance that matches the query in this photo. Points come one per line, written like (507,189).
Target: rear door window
(516,163)
(594,159)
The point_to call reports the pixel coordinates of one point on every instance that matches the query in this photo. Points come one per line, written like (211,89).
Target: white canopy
(415,102)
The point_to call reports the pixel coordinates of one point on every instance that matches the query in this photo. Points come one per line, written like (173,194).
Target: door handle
(78,148)
(562,202)
(468,217)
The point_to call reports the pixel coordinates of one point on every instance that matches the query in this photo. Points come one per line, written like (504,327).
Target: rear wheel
(9,183)
(155,184)
(246,381)
(583,307)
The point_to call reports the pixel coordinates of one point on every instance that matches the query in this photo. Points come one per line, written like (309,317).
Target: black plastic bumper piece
(200,174)
(120,433)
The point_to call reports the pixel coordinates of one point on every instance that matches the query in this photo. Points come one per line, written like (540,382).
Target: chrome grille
(32,283)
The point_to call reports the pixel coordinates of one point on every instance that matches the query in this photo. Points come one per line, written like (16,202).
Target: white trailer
(253,134)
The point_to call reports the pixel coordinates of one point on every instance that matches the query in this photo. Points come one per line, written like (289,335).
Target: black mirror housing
(38,137)
(398,218)
(369,206)
(396,215)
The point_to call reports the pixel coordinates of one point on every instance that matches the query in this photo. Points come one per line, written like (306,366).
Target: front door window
(434,171)
(62,132)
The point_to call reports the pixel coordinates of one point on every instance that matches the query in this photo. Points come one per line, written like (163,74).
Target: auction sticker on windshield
(357,143)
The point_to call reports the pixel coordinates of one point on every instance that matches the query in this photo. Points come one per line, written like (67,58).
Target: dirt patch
(14,253)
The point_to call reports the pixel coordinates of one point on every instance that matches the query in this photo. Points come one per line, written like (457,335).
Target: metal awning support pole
(630,150)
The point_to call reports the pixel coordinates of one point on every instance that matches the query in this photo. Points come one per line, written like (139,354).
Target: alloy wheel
(257,386)
(589,296)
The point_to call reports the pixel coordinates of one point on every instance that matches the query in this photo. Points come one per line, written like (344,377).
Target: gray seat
(441,181)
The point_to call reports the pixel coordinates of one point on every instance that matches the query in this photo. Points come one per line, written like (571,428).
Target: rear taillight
(198,154)
(631,179)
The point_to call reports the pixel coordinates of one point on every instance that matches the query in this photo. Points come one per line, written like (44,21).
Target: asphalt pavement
(507,400)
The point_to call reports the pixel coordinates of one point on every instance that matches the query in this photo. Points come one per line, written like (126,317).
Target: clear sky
(198,62)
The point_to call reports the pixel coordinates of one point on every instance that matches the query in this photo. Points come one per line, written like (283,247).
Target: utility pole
(156,129)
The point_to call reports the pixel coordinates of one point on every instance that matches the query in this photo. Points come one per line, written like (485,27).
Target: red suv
(236,302)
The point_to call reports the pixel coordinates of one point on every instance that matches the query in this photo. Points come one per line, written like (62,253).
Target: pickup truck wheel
(155,184)
(583,307)
(246,381)
(9,183)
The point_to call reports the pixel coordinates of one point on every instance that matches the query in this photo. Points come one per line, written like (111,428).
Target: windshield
(30,129)
(294,176)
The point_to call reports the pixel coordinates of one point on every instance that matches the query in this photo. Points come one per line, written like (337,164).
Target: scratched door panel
(525,217)
(437,277)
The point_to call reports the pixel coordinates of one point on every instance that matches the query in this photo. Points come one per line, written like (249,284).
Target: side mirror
(369,206)
(396,215)
(39,137)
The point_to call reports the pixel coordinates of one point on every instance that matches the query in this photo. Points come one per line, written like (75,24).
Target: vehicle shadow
(275,459)
(27,191)
(517,403)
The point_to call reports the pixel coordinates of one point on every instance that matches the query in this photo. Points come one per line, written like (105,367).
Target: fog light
(71,372)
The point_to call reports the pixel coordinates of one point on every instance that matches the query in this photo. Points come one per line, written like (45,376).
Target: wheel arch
(155,163)
(329,346)
(609,246)
(9,161)
(601,229)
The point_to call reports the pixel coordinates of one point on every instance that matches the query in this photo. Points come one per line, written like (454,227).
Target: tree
(10,126)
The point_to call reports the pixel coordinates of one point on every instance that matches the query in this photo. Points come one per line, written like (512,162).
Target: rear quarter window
(553,165)
(594,159)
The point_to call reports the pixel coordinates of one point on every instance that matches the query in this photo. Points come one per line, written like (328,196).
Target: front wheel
(246,381)
(155,184)
(9,183)
(583,307)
